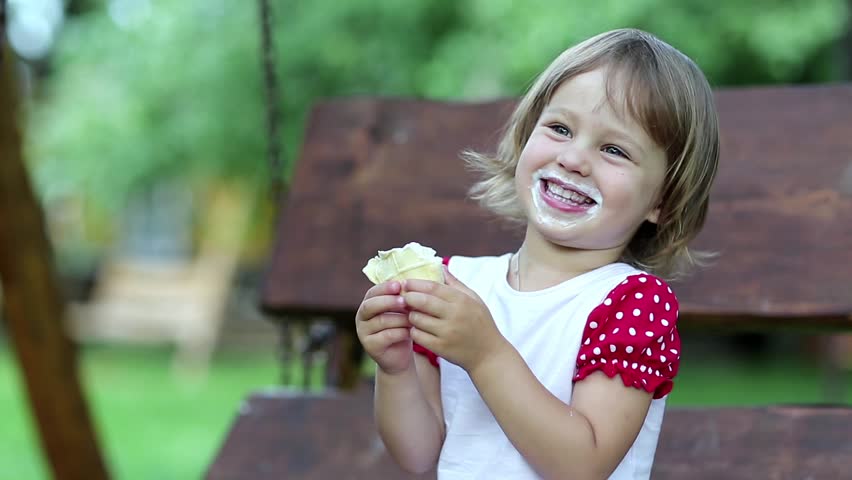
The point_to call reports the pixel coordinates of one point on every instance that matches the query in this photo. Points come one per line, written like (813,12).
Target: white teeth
(567,195)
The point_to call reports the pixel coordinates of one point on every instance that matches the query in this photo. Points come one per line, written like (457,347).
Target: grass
(152,424)
(783,369)
(155,425)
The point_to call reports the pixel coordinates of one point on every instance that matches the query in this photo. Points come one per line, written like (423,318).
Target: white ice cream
(411,261)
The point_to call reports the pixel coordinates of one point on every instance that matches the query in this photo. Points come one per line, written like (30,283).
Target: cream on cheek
(546,215)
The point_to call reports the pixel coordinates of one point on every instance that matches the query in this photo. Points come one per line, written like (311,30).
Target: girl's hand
(383,329)
(452,321)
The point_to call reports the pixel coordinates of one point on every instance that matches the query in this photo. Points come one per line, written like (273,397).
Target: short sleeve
(429,354)
(633,333)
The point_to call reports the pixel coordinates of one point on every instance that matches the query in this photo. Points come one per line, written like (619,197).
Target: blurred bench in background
(174,301)
(378,173)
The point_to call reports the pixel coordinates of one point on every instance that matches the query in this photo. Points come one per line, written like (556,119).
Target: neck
(542,264)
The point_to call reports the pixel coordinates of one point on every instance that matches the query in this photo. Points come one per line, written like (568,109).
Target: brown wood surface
(281,434)
(33,310)
(287,434)
(768,443)
(377,173)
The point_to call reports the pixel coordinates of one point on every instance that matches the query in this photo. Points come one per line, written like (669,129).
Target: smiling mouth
(565,195)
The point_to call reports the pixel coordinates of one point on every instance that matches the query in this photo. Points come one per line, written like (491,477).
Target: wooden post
(34,307)
(847,45)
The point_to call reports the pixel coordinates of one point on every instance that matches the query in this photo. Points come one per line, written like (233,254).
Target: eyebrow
(616,134)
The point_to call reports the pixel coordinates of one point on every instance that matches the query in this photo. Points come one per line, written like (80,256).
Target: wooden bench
(288,434)
(377,173)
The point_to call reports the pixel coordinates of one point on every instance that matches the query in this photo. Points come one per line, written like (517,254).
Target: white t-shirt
(601,320)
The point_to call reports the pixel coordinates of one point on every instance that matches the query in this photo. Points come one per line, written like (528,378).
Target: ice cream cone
(411,261)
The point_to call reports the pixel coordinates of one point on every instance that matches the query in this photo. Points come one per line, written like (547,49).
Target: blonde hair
(666,93)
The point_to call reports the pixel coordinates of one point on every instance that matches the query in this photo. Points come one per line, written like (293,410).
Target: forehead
(599,94)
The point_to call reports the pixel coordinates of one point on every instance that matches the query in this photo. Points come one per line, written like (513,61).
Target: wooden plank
(285,434)
(280,434)
(391,159)
(778,442)
(377,173)
(34,311)
(781,212)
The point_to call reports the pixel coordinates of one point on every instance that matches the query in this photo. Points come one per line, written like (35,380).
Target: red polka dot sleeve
(633,333)
(429,354)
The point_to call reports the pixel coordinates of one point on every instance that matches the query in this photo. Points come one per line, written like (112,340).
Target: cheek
(626,191)
(535,150)
(635,198)
(525,167)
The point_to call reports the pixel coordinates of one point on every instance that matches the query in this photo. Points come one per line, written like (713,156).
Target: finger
(425,340)
(373,306)
(425,322)
(428,287)
(384,321)
(385,288)
(426,303)
(454,282)
(382,340)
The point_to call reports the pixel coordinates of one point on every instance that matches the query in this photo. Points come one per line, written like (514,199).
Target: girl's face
(588,177)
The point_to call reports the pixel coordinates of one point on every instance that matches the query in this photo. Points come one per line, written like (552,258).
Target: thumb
(454,282)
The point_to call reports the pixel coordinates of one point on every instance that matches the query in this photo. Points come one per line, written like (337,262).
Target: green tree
(173,87)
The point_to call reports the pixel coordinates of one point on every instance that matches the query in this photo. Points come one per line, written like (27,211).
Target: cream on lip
(546,214)
(586,190)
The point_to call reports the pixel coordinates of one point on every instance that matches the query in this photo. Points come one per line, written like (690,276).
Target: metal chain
(273,107)
(2,29)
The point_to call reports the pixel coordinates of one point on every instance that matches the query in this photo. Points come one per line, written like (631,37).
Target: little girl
(555,361)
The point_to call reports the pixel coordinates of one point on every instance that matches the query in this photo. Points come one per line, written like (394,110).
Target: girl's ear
(653,216)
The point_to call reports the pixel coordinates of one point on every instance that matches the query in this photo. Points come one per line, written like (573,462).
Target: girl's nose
(575,160)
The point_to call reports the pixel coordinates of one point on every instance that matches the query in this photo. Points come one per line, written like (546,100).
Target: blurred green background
(145,134)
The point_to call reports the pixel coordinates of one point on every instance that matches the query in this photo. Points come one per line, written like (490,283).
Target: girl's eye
(612,150)
(561,130)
